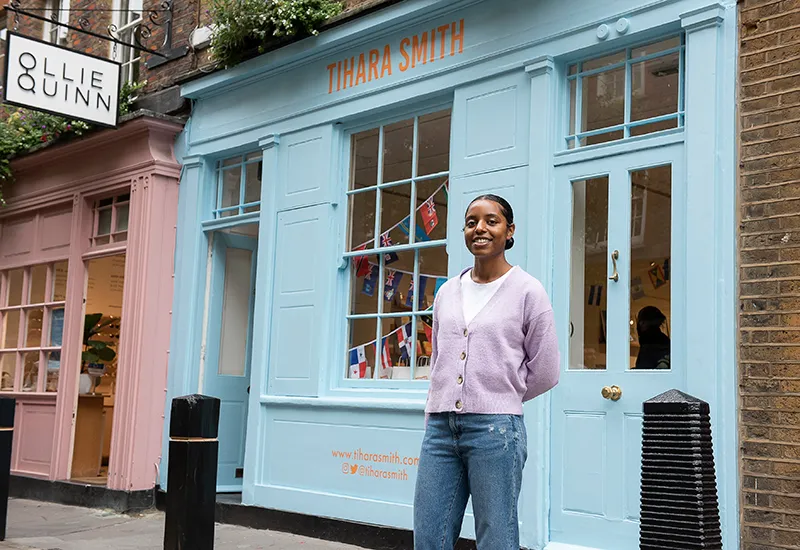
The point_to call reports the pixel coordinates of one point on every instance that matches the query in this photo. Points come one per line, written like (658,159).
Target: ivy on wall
(24,130)
(245,28)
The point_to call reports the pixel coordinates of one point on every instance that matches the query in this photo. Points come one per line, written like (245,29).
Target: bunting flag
(429,216)
(419,233)
(361,262)
(439,282)
(404,340)
(386,360)
(595,295)
(393,279)
(656,274)
(637,288)
(423,282)
(370,281)
(358,362)
(428,331)
(389,257)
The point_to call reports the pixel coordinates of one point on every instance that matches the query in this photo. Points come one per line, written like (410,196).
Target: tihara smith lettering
(56,79)
(420,49)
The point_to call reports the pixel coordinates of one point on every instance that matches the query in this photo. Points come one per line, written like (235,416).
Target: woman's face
(485,229)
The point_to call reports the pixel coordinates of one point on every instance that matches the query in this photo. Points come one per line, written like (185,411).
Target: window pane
(588,274)
(362,220)
(395,212)
(33,333)
(651,225)
(235,320)
(654,87)
(15,287)
(8,368)
(59,282)
(252,183)
(602,138)
(361,350)
(30,373)
(573,101)
(364,161)
(56,335)
(105,202)
(38,284)
(366,286)
(398,147)
(667,44)
(104,221)
(398,345)
(124,198)
(422,370)
(231,184)
(398,276)
(431,209)
(434,143)
(603,102)
(605,61)
(53,368)
(11,338)
(123,212)
(433,273)
(233,161)
(654,127)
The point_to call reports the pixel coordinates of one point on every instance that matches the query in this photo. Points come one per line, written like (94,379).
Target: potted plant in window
(96,353)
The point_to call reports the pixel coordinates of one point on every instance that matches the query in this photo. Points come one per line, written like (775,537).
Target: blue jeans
(481,455)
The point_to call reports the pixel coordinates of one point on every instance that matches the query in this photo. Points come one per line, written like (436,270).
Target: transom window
(397,216)
(629,93)
(111,220)
(239,185)
(32,322)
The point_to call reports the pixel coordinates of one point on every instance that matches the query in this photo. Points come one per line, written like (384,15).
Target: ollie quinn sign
(49,78)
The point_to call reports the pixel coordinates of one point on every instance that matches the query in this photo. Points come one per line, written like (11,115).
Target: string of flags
(394,277)
(405,340)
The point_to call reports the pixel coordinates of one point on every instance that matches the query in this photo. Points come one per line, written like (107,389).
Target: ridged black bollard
(679,509)
(7,407)
(192,473)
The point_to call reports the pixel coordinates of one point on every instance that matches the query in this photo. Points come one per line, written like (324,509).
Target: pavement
(34,525)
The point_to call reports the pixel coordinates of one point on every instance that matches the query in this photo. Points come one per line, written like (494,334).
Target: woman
(653,344)
(494,347)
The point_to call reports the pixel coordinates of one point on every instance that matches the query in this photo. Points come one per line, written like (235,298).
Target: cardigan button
(460,380)
(463,355)
(459,404)
(465,332)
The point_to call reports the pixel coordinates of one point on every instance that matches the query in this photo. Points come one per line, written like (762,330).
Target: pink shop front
(86,264)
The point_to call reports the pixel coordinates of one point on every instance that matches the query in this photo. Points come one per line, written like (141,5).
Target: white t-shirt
(475,296)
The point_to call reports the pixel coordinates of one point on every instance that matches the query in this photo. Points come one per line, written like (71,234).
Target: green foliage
(21,129)
(243,28)
(95,351)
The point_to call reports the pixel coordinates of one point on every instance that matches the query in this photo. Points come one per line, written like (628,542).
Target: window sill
(403,405)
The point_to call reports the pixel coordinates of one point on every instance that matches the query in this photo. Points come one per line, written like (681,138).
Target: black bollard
(679,509)
(7,408)
(192,473)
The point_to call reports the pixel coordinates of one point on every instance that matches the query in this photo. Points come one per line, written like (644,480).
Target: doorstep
(81,494)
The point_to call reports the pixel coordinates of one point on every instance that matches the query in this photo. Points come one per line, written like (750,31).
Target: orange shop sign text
(420,49)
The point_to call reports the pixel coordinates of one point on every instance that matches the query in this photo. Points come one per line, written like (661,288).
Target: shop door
(617,287)
(227,360)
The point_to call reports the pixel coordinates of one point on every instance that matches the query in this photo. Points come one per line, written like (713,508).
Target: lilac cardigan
(507,355)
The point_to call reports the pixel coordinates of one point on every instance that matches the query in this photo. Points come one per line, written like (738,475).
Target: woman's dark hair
(505,210)
(649,318)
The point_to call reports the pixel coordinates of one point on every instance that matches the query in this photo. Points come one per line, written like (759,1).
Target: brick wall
(769,319)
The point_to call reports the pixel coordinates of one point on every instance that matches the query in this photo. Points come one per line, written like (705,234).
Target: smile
(480,240)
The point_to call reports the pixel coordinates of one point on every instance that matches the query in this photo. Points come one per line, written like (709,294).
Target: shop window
(111,220)
(127,22)
(238,185)
(397,217)
(32,324)
(629,93)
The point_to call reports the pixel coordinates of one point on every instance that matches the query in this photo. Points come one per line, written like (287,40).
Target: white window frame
(56,34)
(127,18)
(413,246)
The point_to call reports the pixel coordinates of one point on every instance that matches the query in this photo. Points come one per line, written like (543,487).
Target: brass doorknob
(612,392)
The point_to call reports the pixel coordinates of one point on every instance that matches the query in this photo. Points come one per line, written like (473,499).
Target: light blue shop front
(321,206)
